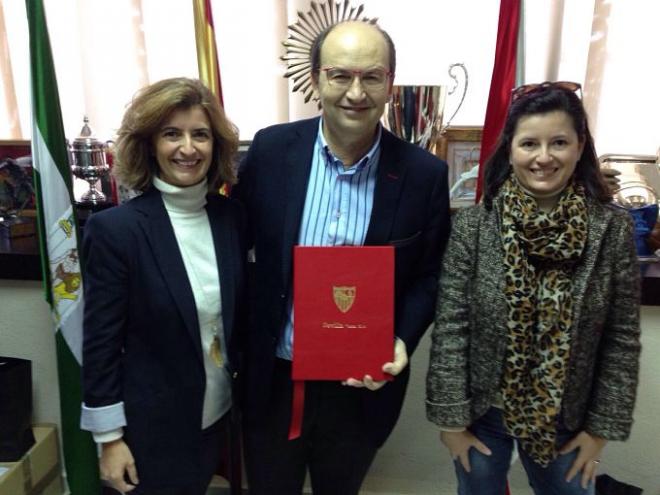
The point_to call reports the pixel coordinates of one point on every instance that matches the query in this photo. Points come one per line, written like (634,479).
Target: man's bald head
(315,54)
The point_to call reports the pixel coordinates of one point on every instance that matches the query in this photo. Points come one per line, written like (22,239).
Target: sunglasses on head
(527,89)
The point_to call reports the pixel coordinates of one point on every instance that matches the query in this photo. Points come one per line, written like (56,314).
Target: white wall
(26,331)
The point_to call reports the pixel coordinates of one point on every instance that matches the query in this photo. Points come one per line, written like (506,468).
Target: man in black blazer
(289,172)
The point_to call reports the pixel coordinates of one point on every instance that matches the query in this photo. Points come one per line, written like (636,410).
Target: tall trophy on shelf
(87,159)
(416,113)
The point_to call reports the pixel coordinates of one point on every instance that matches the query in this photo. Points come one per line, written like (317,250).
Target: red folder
(343,299)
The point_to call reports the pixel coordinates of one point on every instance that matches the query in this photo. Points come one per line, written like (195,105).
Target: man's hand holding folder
(392,368)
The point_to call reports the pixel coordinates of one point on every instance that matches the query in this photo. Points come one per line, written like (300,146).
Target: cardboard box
(39,471)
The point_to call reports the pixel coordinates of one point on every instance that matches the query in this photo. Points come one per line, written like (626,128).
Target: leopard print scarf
(540,250)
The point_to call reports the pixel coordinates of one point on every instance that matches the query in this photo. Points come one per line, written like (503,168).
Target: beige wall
(412,455)
(26,331)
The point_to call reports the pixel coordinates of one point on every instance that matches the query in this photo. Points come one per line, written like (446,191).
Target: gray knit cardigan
(469,338)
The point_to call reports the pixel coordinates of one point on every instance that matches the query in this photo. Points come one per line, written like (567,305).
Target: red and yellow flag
(207,55)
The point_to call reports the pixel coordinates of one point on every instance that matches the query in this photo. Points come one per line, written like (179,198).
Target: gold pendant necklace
(215,349)
(216,353)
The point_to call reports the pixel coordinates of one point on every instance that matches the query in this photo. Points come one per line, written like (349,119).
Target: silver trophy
(639,179)
(415,113)
(87,159)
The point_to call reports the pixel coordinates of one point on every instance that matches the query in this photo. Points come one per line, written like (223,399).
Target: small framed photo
(460,148)
(16,187)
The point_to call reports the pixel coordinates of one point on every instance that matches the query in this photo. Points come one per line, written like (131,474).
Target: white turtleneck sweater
(185,207)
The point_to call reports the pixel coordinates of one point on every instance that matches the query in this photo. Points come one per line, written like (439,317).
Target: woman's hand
(116,461)
(588,456)
(459,444)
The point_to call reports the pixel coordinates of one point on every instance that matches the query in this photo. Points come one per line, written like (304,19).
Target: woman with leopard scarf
(536,339)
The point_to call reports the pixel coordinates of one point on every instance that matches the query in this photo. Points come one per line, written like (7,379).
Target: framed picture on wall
(460,148)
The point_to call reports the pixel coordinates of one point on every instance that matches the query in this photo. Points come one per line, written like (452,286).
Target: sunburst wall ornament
(303,33)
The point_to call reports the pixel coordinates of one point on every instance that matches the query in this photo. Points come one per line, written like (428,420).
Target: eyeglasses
(527,89)
(372,79)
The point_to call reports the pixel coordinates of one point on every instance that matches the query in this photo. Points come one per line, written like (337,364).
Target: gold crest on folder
(344,297)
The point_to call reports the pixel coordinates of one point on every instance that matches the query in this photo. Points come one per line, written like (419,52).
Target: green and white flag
(58,236)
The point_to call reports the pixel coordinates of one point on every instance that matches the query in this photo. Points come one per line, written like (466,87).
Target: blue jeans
(488,474)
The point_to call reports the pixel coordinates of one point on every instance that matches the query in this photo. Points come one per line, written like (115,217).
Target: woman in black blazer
(163,285)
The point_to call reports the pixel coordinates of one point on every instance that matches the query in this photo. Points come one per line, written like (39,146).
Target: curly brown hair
(134,160)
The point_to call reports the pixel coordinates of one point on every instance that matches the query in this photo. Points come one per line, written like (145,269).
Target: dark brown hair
(544,100)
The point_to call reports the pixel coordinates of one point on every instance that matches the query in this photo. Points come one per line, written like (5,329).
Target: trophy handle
(453,89)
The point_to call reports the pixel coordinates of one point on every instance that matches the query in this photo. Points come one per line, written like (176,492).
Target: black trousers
(211,449)
(332,445)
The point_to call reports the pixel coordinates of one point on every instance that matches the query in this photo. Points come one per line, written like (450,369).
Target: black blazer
(410,212)
(141,334)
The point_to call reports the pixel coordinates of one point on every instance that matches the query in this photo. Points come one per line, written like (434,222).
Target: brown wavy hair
(134,160)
